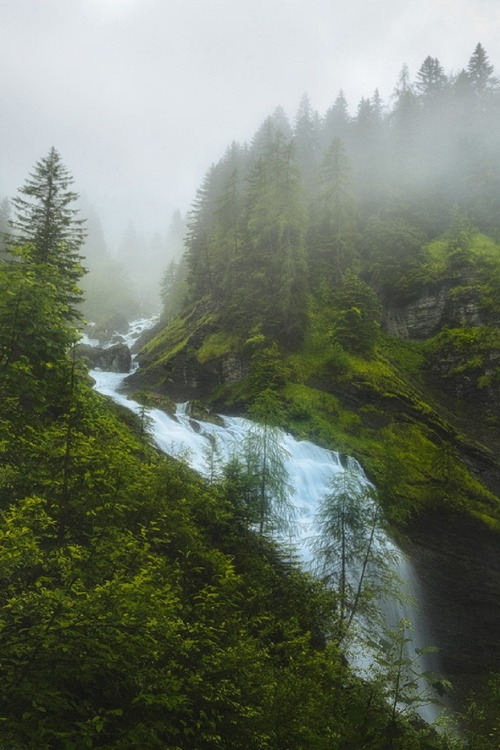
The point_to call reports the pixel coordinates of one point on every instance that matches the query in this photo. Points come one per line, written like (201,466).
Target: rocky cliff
(437,305)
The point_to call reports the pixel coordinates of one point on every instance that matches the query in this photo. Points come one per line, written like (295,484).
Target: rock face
(457,560)
(185,379)
(435,307)
(116,358)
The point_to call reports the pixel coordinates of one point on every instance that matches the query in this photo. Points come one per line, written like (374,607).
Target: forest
(340,281)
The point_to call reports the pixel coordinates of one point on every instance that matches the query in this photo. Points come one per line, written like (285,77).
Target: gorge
(310,470)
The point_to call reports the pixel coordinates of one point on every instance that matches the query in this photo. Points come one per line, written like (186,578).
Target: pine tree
(4,225)
(200,225)
(333,243)
(431,79)
(480,72)
(337,122)
(306,140)
(45,220)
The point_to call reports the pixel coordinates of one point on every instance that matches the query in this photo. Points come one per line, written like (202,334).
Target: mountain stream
(310,472)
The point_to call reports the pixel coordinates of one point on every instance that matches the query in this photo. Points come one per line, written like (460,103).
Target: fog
(141,96)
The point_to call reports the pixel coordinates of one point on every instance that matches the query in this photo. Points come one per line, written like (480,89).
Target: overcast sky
(141,96)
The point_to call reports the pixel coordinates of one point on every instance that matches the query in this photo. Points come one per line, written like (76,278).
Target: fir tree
(45,220)
(431,79)
(480,72)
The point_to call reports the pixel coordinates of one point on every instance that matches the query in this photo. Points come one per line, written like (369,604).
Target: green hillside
(341,280)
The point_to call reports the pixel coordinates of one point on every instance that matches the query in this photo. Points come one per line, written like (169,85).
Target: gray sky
(141,96)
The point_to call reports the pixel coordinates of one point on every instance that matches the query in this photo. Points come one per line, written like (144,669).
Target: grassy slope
(415,440)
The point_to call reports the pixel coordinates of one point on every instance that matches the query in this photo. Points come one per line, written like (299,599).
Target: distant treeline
(304,204)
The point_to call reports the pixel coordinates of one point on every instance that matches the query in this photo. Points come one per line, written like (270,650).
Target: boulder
(116,358)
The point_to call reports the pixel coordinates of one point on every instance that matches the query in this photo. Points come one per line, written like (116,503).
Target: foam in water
(310,471)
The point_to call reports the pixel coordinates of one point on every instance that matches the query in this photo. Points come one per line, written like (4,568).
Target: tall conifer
(45,220)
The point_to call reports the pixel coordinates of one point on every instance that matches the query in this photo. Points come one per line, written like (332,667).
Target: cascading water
(310,472)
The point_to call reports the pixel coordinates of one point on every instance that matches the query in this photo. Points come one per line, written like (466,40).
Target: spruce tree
(431,78)
(44,220)
(480,72)
(333,243)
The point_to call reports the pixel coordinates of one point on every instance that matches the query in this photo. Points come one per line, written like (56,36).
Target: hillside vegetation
(351,265)
(341,279)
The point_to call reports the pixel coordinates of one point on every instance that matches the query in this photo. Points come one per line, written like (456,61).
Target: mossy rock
(154,400)
(199,411)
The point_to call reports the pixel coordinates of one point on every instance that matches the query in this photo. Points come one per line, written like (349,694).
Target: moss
(385,409)
(489,521)
(216,346)
(199,411)
(380,415)
(154,400)
(407,356)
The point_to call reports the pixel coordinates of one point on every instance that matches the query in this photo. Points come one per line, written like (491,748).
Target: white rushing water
(310,469)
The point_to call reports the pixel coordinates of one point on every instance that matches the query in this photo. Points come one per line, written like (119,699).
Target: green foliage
(139,608)
(480,719)
(357,316)
(268,370)
(333,229)
(352,552)
(398,664)
(216,346)
(46,225)
(264,464)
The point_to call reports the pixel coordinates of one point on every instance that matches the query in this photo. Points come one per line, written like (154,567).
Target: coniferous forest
(341,281)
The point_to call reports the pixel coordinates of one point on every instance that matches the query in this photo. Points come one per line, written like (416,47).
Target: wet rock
(199,411)
(116,358)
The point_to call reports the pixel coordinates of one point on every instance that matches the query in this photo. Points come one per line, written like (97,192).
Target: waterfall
(310,471)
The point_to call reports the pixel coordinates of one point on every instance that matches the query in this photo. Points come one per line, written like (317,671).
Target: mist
(141,98)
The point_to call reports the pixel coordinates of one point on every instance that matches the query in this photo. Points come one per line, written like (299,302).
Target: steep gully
(310,472)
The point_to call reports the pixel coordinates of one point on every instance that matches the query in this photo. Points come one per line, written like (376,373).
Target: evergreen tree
(227,231)
(357,317)
(405,132)
(270,258)
(431,79)
(264,461)
(333,240)
(199,236)
(4,225)
(369,157)
(306,139)
(45,221)
(480,72)
(337,122)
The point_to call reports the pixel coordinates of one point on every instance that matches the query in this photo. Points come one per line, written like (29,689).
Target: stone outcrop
(435,307)
(116,358)
(185,379)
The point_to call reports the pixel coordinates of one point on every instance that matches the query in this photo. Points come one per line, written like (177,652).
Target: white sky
(141,96)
